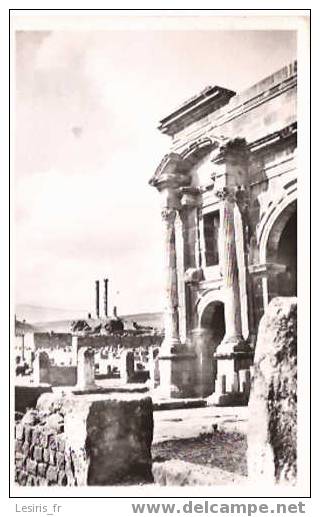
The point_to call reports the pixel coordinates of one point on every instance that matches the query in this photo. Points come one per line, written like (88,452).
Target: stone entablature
(234,115)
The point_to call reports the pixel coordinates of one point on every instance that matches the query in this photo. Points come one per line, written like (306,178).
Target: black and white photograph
(155,259)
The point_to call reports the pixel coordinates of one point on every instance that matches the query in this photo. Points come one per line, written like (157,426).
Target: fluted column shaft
(171,280)
(230,270)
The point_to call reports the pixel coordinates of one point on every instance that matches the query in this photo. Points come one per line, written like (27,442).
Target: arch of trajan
(228,190)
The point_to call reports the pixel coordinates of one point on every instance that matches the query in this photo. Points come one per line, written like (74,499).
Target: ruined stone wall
(79,439)
(41,457)
(124,341)
(52,340)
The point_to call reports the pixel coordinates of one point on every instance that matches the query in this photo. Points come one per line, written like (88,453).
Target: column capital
(235,150)
(168,215)
(226,194)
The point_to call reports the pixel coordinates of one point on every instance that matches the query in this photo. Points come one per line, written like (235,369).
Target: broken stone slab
(272,426)
(108,436)
(184,473)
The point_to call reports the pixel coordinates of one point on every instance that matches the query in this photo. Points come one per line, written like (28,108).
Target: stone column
(85,369)
(233,353)
(233,337)
(172,338)
(242,196)
(175,362)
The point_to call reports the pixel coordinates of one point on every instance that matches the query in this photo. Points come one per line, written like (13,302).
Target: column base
(235,357)
(169,346)
(176,375)
(232,347)
(228,399)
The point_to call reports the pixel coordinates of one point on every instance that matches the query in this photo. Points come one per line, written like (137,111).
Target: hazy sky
(87,106)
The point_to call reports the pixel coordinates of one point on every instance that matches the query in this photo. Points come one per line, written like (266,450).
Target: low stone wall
(48,340)
(85,439)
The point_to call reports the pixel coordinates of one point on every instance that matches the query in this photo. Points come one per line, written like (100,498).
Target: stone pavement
(187,423)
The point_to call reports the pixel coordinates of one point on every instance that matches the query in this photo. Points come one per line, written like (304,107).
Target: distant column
(98,298)
(106,297)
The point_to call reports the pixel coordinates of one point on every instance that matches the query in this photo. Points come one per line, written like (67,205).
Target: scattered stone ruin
(85,439)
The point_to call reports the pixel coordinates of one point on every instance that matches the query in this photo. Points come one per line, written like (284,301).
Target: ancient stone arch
(275,221)
(201,146)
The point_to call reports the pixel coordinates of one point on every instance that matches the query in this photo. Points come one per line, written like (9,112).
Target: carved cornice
(288,132)
(172,172)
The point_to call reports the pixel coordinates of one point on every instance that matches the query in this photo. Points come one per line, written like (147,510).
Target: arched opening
(282,252)
(213,320)
(287,255)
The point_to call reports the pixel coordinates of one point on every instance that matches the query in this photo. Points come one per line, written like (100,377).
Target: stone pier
(85,369)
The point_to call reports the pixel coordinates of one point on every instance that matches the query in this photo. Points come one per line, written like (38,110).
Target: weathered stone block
(36,436)
(38,453)
(52,474)
(19,461)
(52,443)
(42,469)
(110,436)
(31,466)
(19,432)
(31,481)
(46,455)
(22,478)
(52,457)
(272,453)
(43,482)
(18,445)
(28,433)
(60,460)
(45,438)
(61,443)
(26,449)
(62,479)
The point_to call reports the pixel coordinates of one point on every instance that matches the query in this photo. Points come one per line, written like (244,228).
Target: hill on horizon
(47,319)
